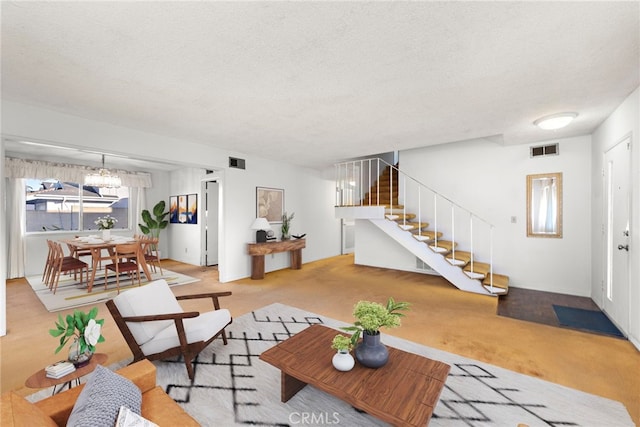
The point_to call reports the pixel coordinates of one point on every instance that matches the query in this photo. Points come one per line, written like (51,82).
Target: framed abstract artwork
(182,209)
(173,209)
(192,209)
(269,203)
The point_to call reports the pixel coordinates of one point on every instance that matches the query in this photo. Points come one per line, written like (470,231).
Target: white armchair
(156,327)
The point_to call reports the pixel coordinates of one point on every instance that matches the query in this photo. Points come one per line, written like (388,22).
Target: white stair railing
(358,183)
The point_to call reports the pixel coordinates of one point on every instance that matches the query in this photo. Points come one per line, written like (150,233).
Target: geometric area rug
(232,387)
(70,293)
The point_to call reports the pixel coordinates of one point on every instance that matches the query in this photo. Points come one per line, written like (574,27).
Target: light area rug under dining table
(71,293)
(232,387)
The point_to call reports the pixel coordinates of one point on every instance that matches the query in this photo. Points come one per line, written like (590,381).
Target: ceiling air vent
(545,150)
(236,163)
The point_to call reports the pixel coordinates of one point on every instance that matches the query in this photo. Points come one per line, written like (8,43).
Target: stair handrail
(340,193)
(379,160)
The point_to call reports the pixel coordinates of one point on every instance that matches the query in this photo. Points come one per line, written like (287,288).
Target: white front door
(616,291)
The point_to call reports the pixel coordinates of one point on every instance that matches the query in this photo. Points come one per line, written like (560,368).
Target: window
(52,205)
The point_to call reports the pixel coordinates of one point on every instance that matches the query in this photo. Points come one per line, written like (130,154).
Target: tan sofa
(157,406)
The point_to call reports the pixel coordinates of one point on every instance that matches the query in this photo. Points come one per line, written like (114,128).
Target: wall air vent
(545,150)
(236,163)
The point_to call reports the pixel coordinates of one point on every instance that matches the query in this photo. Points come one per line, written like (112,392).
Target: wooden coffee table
(40,379)
(403,392)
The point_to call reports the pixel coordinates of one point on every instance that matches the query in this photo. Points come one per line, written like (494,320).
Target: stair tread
(400,217)
(442,247)
(428,233)
(460,256)
(499,281)
(408,226)
(479,267)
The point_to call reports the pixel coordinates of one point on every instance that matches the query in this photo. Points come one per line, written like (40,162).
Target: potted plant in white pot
(371,316)
(342,360)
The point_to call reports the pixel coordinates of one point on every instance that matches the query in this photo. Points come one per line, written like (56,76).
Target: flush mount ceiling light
(555,121)
(102,179)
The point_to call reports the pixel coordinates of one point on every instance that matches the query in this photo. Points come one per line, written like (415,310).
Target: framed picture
(192,209)
(269,203)
(173,209)
(182,209)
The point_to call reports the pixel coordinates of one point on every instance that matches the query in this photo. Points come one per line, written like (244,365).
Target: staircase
(386,186)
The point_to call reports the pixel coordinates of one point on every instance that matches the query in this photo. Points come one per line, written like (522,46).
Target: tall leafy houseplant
(153,225)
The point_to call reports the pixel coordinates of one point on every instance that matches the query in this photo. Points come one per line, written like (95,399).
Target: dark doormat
(586,320)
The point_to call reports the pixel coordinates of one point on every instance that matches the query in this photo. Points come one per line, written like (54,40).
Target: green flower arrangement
(371,316)
(83,326)
(341,343)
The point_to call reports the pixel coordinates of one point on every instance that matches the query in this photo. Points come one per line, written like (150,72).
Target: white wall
(624,121)
(3,250)
(185,238)
(307,193)
(490,180)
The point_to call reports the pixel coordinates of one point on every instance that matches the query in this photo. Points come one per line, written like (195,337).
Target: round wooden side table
(40,379)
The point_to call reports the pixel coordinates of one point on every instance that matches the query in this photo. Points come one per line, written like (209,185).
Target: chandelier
(102,179)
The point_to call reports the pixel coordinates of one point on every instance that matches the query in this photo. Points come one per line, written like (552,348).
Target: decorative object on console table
(85,330)
(259,250)
(261,225)
(286,225)
(371,316)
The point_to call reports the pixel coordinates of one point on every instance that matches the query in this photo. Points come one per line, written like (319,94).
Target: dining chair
(125,260)
(51,264)
(151,251)
(64,264)
(75,252)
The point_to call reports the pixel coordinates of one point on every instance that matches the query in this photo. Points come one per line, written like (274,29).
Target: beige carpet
(71,293)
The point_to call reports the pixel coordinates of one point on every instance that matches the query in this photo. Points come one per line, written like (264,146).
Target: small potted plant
(286,225)
(86,332)
(342,360)
(371,316)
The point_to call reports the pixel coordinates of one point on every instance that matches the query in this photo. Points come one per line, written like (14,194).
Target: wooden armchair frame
(187,350)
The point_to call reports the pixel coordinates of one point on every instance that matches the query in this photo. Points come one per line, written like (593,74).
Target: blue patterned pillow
(100,400)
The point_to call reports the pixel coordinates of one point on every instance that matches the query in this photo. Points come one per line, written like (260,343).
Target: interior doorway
(617,186)
(211,219)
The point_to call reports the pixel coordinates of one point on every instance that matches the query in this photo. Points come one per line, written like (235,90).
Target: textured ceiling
(311,83)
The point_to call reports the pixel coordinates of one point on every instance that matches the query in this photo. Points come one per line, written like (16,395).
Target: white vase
(343,361)
(106,235)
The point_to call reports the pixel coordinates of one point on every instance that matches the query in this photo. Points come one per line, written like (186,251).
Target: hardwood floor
(441,316)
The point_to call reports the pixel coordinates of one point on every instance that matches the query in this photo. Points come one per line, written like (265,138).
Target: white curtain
(16,170)
(16,224)
(141,204)
(36,169)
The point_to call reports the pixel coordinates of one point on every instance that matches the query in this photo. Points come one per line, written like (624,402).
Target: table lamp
(261,225)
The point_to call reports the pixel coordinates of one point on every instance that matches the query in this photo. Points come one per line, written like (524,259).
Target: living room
(502,174)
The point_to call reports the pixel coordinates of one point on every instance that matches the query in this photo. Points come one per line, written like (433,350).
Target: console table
(259,250)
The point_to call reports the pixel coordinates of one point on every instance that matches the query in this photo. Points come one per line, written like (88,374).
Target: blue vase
(371,352)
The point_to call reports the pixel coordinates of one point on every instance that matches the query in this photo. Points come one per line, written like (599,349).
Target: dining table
(96,245)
